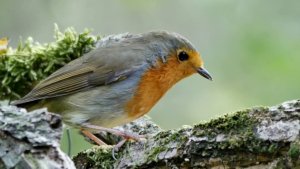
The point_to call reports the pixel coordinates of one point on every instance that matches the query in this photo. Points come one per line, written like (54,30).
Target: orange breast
(154,84)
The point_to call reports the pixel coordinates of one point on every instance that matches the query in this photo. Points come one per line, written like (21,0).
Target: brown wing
(94,69)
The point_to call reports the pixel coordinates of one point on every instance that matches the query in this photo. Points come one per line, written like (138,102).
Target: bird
(117,82)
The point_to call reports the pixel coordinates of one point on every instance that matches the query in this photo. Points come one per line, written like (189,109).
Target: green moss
(175,136)
(166,138)
(153,154)
(101,157)
(294,151)
(237,122)
(22,68)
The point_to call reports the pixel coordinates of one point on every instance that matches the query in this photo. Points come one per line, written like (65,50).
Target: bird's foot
(125,135)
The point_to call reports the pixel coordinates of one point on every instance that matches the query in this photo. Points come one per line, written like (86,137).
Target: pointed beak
(204,73)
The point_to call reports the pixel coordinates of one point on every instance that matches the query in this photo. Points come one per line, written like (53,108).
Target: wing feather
(101,66)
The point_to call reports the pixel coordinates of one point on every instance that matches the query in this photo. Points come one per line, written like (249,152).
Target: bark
(31,140)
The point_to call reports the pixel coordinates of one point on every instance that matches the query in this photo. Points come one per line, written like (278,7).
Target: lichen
(170,141)
(36,134)
(153,154)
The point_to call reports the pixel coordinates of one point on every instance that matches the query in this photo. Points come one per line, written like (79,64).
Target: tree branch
(257,137)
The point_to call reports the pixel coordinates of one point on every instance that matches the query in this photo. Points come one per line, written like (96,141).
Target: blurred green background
(251,48)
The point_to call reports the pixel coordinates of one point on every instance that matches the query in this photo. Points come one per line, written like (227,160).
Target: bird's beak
(204,73)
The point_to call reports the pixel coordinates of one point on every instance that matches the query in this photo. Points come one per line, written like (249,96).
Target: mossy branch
(30,62)
(258,138)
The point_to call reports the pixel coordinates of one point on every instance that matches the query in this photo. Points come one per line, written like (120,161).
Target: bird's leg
(92,137)
(125,135)
(116,147)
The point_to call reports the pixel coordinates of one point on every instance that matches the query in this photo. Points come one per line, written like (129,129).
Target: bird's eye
(182,56)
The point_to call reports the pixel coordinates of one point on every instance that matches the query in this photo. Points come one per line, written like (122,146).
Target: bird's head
(176,55)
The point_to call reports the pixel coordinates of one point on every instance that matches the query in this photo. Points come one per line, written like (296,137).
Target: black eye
(182,56)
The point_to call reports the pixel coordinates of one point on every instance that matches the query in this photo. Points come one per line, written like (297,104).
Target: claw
(117,147)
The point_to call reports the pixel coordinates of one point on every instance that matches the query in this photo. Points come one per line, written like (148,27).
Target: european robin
(118,82)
